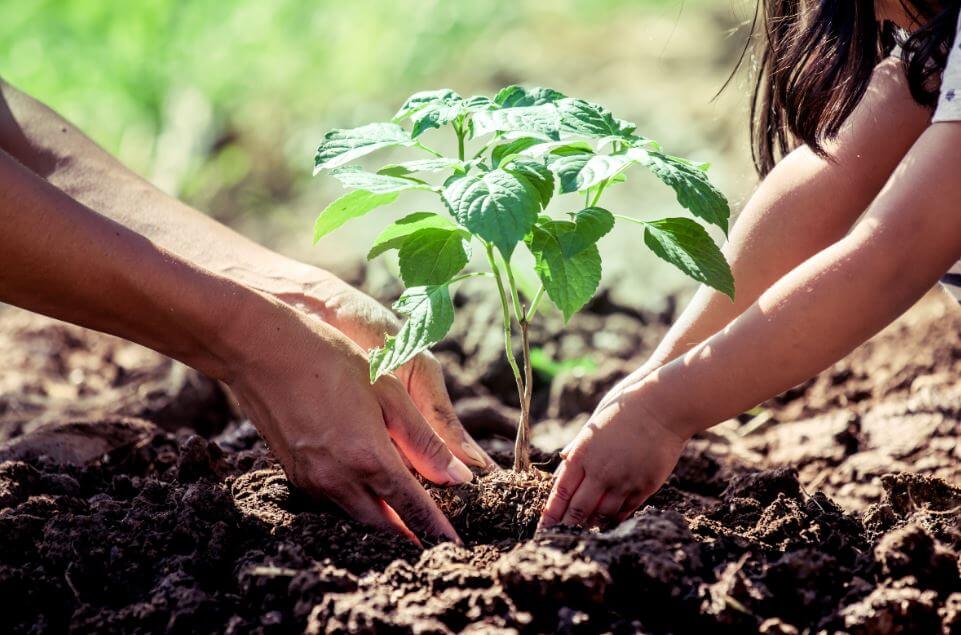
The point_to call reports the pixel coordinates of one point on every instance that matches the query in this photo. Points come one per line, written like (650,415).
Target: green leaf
(569,271)
(343,146)
(578,172)
(543,121)
(477,103)
(355,178)
(591,120)
(507,151)
(424,98)
(515,96)
(538,174)
(435,115)
(500,207)
(347,207)
(686,245)
(559,148)
(396,234)
(420,165)
(430,314)
(694,190)
(432,256)
(590,225)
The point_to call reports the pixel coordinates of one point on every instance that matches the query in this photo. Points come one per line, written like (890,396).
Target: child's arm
(809,319)
(805,204)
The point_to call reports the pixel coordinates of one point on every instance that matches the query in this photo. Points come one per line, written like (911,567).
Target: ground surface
(132,499)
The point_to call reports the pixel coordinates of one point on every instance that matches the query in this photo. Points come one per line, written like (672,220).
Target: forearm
(60,258)
(831,303)
(804,205)
(55,150)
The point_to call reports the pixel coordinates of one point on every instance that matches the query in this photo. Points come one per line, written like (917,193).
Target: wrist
(227,327)
(286,280)
(654,402)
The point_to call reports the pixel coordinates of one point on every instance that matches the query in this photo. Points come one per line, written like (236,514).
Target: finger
(429,394)
(629,506)
(583,503)
(403,457)
(401,491)
(566,479)
(358,503)
(419,443)
(607,510)
(371,510)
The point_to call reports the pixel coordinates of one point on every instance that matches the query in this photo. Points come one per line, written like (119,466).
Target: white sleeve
(949,104)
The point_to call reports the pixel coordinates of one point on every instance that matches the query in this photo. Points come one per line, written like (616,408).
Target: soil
(134,498)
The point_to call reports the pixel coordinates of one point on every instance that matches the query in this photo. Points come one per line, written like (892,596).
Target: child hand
(619,458)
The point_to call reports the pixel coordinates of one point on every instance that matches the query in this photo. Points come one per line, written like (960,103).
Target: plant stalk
(460,142)
(535,303)
(522,456)
(522,445)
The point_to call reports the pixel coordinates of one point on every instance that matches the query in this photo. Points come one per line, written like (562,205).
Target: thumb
(425,384)
(417,441)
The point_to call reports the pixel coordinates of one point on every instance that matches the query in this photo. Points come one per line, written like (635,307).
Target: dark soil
(132,499)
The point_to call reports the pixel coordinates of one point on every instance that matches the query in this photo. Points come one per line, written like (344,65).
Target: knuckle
(549,518)
(363,461)
(417,515)
(563,492)
(576,455)
(384,483)
(445,415)
(577,515)
(429,444)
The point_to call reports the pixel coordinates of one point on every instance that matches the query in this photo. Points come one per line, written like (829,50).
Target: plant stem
(426,149)
(508,348)
(522,444)
(466,276)
(515,298)
(534,304)
(460,141)
(629,219)
(600,190)
(522,456)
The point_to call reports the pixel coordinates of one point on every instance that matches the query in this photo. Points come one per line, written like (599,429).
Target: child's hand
(622,455)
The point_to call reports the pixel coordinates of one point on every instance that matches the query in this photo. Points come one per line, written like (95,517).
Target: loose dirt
(134,499)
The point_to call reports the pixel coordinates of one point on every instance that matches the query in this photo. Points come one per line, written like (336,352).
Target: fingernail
(474,453)
(458,472)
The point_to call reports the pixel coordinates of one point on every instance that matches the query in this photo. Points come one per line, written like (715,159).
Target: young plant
(531,145)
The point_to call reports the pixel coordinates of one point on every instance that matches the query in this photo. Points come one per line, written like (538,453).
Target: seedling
(531,145)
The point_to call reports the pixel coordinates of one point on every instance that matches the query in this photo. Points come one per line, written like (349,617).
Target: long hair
(814,60)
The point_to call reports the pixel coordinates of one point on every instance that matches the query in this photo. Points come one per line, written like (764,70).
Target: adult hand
(306,388)
(320,294)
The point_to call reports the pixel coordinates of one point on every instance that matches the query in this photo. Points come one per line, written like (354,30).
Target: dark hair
(815,59)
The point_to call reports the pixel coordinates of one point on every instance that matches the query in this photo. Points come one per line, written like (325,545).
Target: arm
(60,258)
(809,319)
(55,150)
(805,204)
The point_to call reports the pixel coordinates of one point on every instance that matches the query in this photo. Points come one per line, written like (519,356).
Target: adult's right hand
(306,388)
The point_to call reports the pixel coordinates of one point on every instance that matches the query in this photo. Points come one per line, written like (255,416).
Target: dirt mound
(844,518)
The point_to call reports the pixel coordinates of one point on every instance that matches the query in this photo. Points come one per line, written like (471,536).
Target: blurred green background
(223,103)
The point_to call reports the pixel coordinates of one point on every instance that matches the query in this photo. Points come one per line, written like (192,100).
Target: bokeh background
(223,103)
